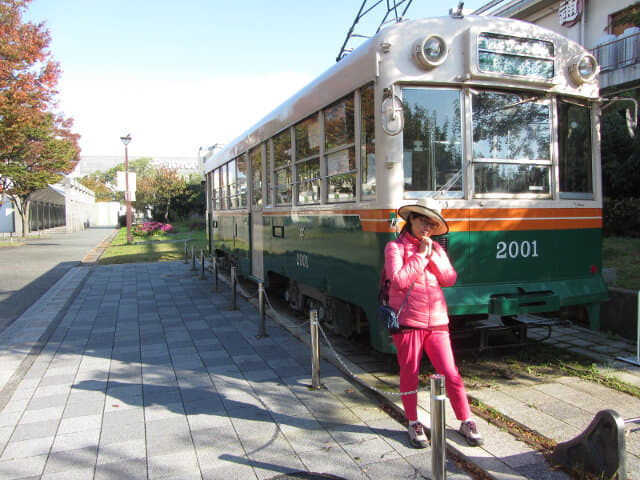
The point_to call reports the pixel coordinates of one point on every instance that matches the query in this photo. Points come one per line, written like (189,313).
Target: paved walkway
(148,374)
(144,372)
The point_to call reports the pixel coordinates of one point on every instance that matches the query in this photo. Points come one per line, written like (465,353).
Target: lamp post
(127,194)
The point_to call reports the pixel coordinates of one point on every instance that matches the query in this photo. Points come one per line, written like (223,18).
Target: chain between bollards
(315,349)
(438,445)
(233,288)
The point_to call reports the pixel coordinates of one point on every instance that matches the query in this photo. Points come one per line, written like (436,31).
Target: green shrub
(621,217)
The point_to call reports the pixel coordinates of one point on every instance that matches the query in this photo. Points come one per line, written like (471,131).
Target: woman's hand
(426,247)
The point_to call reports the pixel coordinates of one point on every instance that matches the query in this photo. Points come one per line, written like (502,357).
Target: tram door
(256,242)
(257,245)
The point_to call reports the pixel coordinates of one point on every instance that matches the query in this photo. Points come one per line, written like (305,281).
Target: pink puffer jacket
(426,306)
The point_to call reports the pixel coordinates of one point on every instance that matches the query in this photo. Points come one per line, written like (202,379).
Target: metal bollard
(233,289)
(186,251)
(193,257)
(262,332)
(214,266)
(201,264)
(315,349)
(438,445)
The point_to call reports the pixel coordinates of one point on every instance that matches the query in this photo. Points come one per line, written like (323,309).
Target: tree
(36,145)
(159,189)
(103,192)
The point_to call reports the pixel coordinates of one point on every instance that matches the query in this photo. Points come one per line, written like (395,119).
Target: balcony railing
(619,53)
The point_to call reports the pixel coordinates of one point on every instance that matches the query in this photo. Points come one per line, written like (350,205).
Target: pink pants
(437,345)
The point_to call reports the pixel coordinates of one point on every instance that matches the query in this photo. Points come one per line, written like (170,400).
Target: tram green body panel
(529,271)
(333,254)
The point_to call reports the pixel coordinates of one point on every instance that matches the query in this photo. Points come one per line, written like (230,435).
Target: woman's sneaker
(470,432)
(417,437)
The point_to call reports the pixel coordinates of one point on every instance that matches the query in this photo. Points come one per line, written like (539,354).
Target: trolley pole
(438,445)
(315,349)
(233,288)
(262,330)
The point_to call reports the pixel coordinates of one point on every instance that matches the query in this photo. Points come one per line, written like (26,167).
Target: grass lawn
(159,247)
(623,254)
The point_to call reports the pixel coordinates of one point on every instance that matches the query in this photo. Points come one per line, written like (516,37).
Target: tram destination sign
(523,57)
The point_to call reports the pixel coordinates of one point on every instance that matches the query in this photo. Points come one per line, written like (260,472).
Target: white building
(66,206)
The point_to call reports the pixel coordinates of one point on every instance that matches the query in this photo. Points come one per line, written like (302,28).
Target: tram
(496,118)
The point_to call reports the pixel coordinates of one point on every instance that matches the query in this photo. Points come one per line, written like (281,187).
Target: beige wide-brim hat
(429,208)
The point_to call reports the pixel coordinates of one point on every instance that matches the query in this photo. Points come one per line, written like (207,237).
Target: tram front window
(432,148)
(511,144)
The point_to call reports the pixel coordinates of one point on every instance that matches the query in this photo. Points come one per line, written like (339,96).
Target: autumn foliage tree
(36,144)
(161,189)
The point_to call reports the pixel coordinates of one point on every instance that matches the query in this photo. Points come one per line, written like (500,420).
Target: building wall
(587,32)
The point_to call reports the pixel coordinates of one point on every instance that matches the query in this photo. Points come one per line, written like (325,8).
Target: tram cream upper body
(387,59)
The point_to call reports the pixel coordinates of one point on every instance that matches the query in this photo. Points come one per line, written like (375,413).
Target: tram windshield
(511,144)
(432,141)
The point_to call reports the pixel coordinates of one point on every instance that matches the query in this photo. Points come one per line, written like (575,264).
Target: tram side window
(224,188)
(307,157)
(216,189)
(575,154)
(282,167)
(432,141)
(511,145)
(367,144)
(233,191)
(339,131)
(255,157)
(241,180)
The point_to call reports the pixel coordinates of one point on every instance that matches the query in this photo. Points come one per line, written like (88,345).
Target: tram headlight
(430,51)
(583,68)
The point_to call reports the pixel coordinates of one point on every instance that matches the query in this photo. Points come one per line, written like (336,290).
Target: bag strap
(405,297)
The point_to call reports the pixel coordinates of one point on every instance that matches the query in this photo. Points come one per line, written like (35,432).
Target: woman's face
(422,226)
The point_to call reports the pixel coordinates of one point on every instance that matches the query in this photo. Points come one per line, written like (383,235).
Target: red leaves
(36,144)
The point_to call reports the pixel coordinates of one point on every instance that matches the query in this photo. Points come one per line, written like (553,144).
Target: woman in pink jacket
(417,268)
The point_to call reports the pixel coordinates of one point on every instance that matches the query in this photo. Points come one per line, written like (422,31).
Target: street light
(127,194)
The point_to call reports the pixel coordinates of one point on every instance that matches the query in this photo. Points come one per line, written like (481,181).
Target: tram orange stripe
(469,219)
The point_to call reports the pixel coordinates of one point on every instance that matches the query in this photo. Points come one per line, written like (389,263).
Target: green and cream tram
(496,118)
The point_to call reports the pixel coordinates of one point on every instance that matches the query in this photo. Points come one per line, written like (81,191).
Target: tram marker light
(430,51)
(584,68)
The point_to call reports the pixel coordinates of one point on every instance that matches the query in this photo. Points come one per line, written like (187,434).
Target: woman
(419,267)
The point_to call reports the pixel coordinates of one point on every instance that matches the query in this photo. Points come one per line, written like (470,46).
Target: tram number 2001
(524,249)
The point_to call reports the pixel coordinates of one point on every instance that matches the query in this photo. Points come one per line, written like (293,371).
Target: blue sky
(180,75)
